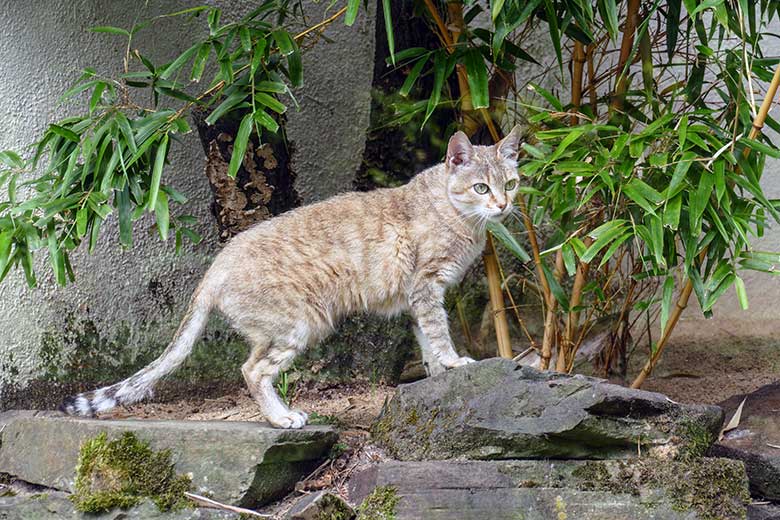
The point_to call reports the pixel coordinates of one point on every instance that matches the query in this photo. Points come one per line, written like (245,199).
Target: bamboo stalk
(497,301)
(627,43)
(578,59)
(578,62)
(682,302)
(573,319)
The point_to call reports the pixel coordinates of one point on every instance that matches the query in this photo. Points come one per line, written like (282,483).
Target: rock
(635,489)
(756,441)
(239,463)
(763,512)
(56,505)
(321,506)
(495,409)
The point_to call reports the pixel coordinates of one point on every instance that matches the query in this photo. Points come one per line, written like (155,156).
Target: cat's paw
(458,362)
(293,419)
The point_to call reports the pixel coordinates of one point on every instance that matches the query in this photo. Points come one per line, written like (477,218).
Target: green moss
(122,472)
(714,488)
(696,440)
(332,508)
(379,505)
(412,418)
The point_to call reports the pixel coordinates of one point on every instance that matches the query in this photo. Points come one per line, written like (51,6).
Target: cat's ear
(510,145)
(459,150)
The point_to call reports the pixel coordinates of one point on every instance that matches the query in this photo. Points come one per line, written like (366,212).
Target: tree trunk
(264,184)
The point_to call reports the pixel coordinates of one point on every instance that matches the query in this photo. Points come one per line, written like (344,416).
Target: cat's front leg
(432,331)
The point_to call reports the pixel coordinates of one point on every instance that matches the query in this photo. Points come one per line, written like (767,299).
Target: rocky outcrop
(756,441)
(541,490)
(239,463)
(495,409)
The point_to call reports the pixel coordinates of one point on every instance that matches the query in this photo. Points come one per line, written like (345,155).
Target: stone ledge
(240,463)
(545,489)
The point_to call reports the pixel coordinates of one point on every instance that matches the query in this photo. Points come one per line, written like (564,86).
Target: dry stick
(682,302)
(207,502)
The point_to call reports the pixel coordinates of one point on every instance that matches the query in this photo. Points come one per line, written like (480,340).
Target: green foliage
(111,158)
(124,471)
(655,180)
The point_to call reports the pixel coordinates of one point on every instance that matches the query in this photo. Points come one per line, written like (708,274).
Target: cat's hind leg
(266,361)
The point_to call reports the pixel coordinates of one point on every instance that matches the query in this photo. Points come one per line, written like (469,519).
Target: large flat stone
(240,463)
(542,490)
(495,409)
(756,441)
(56,506)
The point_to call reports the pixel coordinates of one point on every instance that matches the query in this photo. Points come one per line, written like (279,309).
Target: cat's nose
(501,205)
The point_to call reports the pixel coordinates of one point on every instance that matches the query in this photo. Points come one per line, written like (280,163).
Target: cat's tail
(140,385)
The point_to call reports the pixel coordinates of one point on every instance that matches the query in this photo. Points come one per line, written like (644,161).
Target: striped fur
(286,282)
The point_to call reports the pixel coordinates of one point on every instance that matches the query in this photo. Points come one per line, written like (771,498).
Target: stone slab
(543,490)
(495,409)
(756,441)
(240,463)
(56,506)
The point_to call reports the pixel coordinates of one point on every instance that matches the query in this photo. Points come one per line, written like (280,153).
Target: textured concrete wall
(125,302)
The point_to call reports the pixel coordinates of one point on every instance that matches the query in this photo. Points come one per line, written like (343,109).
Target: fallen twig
(207,502)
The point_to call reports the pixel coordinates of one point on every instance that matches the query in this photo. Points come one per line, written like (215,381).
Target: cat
(285,283)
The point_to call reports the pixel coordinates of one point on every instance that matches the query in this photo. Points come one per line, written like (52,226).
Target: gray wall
(129,301)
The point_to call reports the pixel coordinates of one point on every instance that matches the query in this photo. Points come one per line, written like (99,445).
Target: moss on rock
(713,488)
(122,472)
(379,505)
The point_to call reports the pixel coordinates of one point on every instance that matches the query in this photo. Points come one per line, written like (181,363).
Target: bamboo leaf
(159,162)
(476,74)
(266,121)
(125,217)
(388,15)
(352,11)
(290,50)
(162,215)
(110,30)
(569,259)
(666,301)
(55,255)
(739,284)
(270,102)
(239,146)
(414,73)
(180,61)
(680,172)
(439,72)
(603,235)
(495,8)
(199,63)
(502,234)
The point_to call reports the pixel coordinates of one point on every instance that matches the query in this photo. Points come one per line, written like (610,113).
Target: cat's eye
(481,188)
(510,185)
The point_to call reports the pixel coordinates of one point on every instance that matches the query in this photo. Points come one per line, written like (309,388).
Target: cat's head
(482,181)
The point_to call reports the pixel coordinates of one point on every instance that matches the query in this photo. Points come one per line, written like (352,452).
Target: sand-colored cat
(286,282)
